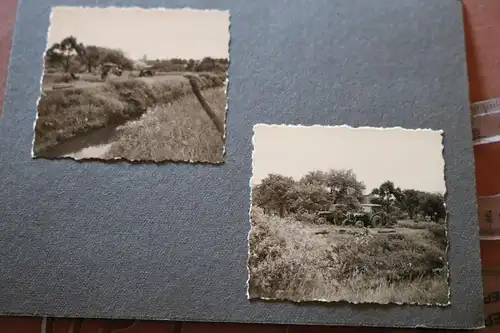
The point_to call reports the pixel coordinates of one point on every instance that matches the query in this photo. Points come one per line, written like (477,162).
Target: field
(136,118)
(301,261)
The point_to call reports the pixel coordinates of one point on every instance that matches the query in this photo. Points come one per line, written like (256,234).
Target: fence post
(197,91)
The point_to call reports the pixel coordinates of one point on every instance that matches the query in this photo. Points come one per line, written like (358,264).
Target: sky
(412,159)
(171,33)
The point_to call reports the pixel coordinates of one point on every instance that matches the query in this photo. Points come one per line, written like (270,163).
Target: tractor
(112,68)
(148,71)
(370,215)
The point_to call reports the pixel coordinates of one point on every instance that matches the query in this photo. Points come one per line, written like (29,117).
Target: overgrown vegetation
(181,131)
(206,64)
(290,260)
(319,190)
(89,87)
(71,56)
(297,256)
(63,114)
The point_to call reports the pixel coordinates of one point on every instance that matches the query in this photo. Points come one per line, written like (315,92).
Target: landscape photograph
(348,214)
(134,84)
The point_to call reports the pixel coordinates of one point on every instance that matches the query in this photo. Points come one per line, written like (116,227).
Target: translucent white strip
(488,196)
(489,237)
(488,113)
(491,100)
(489,139)
(485,107)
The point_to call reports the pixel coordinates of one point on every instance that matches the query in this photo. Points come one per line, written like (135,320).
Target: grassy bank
(179,131)
(63,114)
(288,260)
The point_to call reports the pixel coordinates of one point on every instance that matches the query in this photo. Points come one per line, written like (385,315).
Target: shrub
(288,260)
(279,265)
(309,217)
(414,258)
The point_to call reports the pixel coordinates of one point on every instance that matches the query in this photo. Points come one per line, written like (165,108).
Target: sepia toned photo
(348,214)
(134,84)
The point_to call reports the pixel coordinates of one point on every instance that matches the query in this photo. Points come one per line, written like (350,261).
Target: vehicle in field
(370,215)
(147,71)
(110,68)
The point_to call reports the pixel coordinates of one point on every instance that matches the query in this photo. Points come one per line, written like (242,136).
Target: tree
(275,193)
(309,198)
(345,188)
(315,178)
(432,204)
(207,64)
(342,186)
(92,56)
(411,202)
(388,196)
(54,57)
(63,52)
(117,57)
(190,65)
(178,61)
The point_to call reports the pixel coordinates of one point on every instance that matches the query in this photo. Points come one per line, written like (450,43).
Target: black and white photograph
(134,84)
(340,213)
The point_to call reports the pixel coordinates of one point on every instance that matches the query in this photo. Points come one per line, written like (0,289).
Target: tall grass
(63,114)
(289,261)
(178,131)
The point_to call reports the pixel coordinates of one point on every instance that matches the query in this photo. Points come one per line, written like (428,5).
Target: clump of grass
(178,131)
(284,265)
(416,225)
(63,114)
(288,260)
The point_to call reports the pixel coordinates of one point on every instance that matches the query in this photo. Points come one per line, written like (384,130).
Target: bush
(288,260)
(278,264)
(309,217)
(415,259)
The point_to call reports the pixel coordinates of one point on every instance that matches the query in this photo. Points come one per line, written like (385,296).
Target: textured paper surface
(114,233)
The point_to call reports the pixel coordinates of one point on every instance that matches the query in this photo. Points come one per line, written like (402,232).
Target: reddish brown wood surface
(482,33)
(7,18)
(482,29)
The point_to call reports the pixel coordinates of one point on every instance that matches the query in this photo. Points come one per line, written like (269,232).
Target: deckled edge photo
(323,300)
(225,83)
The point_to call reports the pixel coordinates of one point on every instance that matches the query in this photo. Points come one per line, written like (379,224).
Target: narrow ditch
(93,144)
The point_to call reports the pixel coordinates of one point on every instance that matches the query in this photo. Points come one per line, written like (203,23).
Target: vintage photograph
(135,84)
(348,214)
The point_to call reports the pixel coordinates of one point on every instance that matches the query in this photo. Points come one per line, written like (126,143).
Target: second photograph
(348,214)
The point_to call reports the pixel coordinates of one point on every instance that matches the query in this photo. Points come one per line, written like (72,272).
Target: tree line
(320,190)
(72,56)
(206,64)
